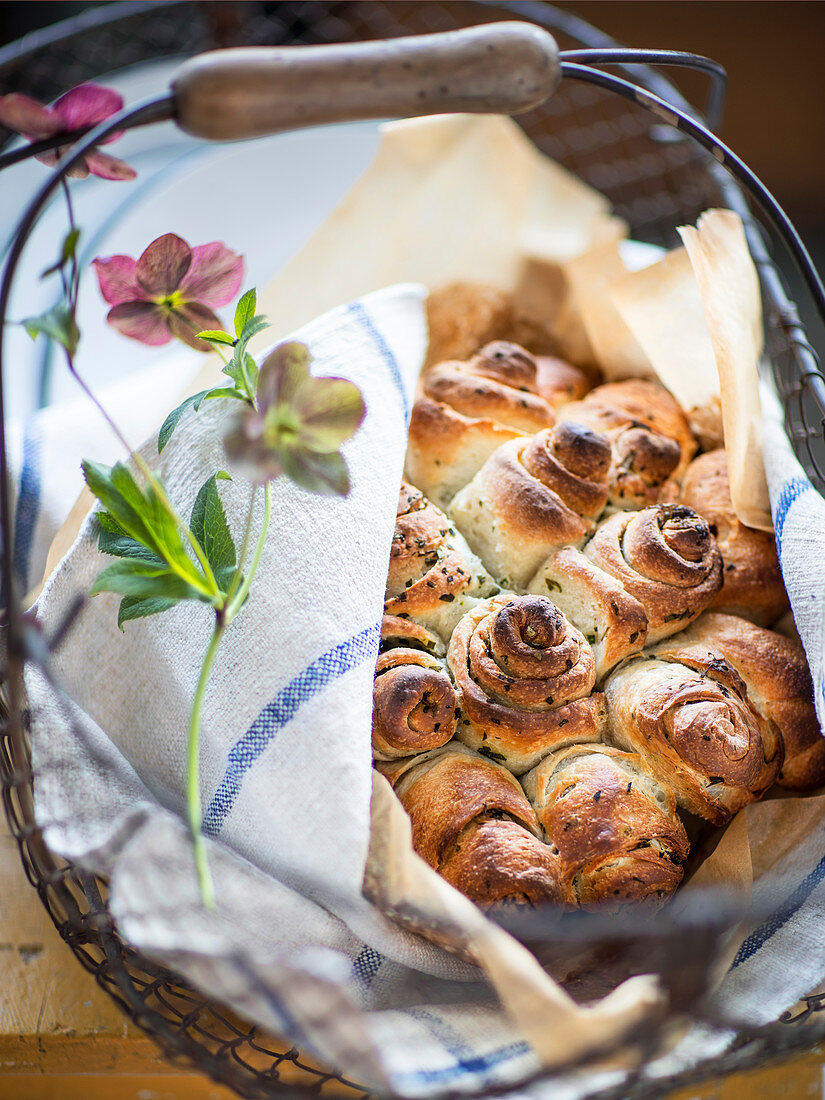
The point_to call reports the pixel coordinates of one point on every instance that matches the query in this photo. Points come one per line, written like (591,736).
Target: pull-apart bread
(556,682)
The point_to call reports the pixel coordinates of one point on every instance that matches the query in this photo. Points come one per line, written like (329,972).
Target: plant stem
(222,621)
(238,575)
(193,793)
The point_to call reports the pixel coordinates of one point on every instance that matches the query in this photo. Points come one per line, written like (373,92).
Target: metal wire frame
(186,1024)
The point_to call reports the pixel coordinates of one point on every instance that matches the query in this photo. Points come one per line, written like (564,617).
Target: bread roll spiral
(613,622)
(472,822)
(413,704)
(687,712)
(532,496)
(666,557)
(524,677)
(614,825)
(433,576)
(651,438)
(468,408)
(752,581)
(779,686)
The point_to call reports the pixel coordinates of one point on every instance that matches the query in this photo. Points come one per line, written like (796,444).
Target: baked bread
(779,686)
(472,822)
(524,677)
(532,496)
(596,603)
(613,824)
(686,710)
(433,576)
(468,408)
(413,704)
(664,556)
(752,581)
(396,631)
(651,438)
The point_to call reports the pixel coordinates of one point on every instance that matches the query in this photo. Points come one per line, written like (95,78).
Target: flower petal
(163,265)
(246,450)
(26,116)
(215,275)
(189,319)
(87,105)
(330,411)
(108,168)
(283,372)
(116,276)
(141,321)
(319,473)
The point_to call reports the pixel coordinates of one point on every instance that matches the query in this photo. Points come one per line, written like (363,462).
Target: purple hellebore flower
(82,107)
(298,425)
(169,290)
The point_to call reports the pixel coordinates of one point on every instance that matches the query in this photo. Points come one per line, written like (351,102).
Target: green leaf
(171,421)
(252,327)
(244,311)
(124,546)
(216,336)
(58,324)
(133,607)
(136,578)
(208,525)
(67,251)
(222,391)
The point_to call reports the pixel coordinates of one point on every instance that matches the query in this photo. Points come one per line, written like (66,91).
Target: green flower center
(281,426)
(171,303)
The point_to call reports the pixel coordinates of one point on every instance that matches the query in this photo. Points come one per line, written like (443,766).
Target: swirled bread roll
(524,677)
(664,556)
(532,496)
(413,704)
(752,581)
(687,712)
(396,631)
(467,409)
(614,825)
(779,686)
(651,438)
(613,622)
(472,822)
(433,575)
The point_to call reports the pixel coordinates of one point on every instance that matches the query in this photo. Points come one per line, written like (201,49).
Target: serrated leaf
(58,324)
(245,310)
(66,252)
(252,371)
(208,525)
(216,336)
(136,578)
(252,327)
(134,607)
(221,391)
(124,546)
(223,475)
(172,420)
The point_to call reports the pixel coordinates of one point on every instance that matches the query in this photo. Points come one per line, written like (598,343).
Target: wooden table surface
(63,1038)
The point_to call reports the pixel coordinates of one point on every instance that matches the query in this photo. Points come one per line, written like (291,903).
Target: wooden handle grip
(229,95)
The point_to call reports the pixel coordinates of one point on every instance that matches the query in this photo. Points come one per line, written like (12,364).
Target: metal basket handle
(229,95)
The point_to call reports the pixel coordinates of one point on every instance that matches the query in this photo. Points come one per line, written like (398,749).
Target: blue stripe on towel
(28,503)
(789,492)
(366,965)
(760,936)
(466,1065)
(283,708)
(357,310)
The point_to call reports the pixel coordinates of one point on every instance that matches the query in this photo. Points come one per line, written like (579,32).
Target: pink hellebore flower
(82,107)
(169,290)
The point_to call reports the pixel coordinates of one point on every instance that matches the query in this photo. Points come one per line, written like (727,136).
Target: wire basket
(656,178)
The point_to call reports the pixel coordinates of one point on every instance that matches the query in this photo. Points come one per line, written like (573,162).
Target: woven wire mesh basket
(656,178)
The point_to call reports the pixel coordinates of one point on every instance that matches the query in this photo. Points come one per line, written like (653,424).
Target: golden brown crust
(445,449)
(533,496)
(687,712)
(752,581)
(666,557)
(472,822)
(616,828)
(613,622)
(396,631)
(431,569)
(651,438)
(413,704)
(779,685)
(524,677)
